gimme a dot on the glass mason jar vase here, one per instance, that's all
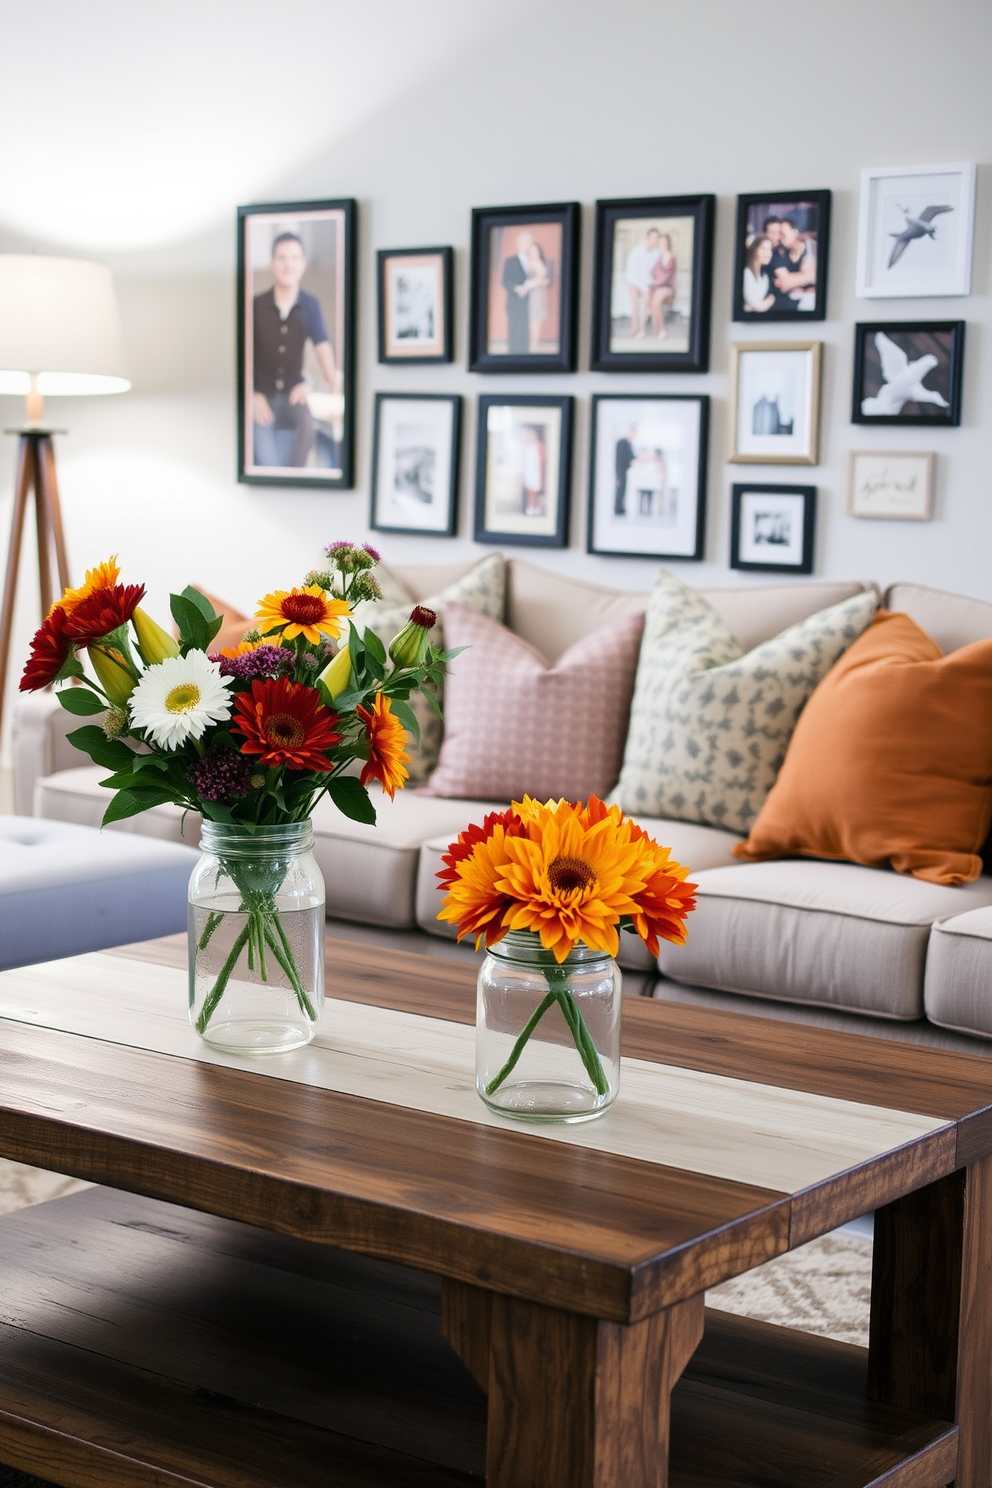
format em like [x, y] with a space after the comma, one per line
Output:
[256, 938]
[547, 1035]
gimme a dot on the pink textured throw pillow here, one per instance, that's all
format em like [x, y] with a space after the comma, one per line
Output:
[514, 726]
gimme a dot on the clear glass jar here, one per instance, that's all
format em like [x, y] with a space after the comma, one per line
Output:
[256, 938]
[547, 1036]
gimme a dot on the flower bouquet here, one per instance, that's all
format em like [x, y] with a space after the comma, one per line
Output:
[547, 888]
[251, 737]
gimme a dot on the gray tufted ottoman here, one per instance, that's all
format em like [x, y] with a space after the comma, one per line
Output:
[65, 889]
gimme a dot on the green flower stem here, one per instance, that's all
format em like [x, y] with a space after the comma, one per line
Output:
[289, 967]
[213, 920]
[557, 979]
[256, 934]
[217, 991]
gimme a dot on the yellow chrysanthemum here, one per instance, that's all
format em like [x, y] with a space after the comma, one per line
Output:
[571, 880]
[473, 902]
[243, 647]
[309, 612]
[104, 576]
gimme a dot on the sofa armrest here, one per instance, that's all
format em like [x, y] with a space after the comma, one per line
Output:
[40, 746]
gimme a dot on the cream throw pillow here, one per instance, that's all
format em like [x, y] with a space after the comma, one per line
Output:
[709, 725]
[483, 589]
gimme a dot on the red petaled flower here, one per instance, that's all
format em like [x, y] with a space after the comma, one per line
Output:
[103, 611]
[49, 652]
[285, 723]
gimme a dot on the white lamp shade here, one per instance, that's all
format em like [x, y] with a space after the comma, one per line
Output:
[59, 321]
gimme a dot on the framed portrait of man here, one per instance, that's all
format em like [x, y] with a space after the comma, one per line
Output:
[296, 340]
[524, 288]
[652, 284]
[780, 262]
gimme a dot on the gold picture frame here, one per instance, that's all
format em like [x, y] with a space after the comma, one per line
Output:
[775, 402]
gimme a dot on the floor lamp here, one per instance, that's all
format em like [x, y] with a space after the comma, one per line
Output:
[60, 335]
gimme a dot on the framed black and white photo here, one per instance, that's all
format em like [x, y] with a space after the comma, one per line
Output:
[897, 486]
[414, 302]
[415, 442]
[772, 528]
[523, 470]
[915, 231]
[647, 475]
[296, 340]
[523, 295]
[652, 284]
[780, 262]
[908, 372]
[775, 402]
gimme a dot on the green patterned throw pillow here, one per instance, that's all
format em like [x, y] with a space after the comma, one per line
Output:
[483, 589]
[709, 725]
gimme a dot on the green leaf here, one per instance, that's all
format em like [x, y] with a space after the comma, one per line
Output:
[71, 667]
[431, 696]
[407, 717]
[110, 753]
[202, 603]
[351, 798]
[130, 803]
[374, 646]
[81, 701]
[194, 627]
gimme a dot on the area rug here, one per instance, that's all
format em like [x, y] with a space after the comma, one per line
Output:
[823, 1288]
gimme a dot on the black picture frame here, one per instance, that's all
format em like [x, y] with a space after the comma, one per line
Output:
[515, 532]
[449, 496]
[605, 472]
[695, 354]
[490, 298]
[800, 206]
[391, 349]
[914, 340]
[740, 533]
[333, 435]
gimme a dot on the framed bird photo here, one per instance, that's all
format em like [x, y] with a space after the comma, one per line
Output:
[908, 372]
[915, 231]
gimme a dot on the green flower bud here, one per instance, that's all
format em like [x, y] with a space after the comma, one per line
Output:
[337, 674]
[409, 648]
[154, 643]
[113, 673]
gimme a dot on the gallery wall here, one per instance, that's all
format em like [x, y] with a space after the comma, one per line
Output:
[554, 100]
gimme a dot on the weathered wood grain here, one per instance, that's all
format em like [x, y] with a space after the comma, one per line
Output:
[974, 1381]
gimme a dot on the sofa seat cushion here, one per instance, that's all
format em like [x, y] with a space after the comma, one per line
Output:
[370, 872]
[77, 796]
[830, 934]
[696, 847]
[958, 989]
[65, 889]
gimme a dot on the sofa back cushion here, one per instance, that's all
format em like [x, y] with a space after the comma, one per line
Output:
[952, 620]
[710, 724]
[515, 726]
[891, 762]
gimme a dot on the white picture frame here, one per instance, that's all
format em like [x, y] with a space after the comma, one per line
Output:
[894, 485]
[927, 212]
[775, 402]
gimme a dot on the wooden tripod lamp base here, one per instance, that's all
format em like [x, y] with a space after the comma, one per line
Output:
[35, 475]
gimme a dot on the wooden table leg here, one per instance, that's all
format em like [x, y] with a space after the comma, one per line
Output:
[573, 1402]
[974, 1402]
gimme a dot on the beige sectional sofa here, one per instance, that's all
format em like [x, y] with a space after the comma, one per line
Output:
[832, 935]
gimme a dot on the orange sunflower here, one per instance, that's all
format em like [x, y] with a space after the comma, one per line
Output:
[388, 758]
[104, 576]
[310, 612]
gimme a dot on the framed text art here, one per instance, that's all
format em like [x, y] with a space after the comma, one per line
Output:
[523, 296]
[647, 475]
[296, 343]
[523, 469]
[652, 283]
[898, 486]
[415, 442]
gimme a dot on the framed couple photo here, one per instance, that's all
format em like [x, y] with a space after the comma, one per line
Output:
[781, 255]
[647, 483]
[524, 288]
[652, 283]
[523, 469]
[415, 443]
[296, 343]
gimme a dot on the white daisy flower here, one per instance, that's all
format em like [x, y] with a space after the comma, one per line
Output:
[178, 698]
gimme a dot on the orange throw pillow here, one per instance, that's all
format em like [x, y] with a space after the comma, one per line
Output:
[891, 760]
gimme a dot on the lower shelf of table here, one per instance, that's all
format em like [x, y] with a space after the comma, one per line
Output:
[145, 1344]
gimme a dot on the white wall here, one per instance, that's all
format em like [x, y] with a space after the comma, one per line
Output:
[497, 104]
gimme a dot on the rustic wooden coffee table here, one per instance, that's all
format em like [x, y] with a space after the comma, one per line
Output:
[348, 1207]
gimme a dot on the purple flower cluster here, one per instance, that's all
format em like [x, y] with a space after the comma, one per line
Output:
[221, 775]
[264, 661]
